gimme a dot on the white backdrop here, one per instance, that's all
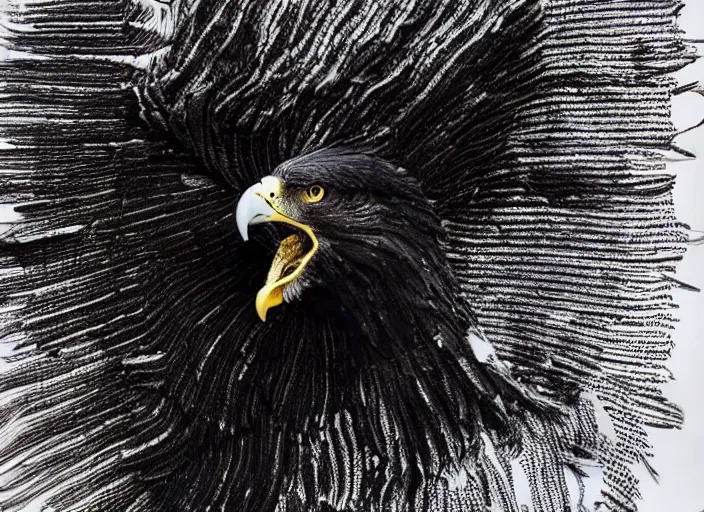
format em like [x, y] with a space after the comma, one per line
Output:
[679, 454]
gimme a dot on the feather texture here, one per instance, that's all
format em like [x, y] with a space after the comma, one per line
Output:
[534, 129]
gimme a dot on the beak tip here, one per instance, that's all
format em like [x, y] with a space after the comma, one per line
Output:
[250, 206]
[261, 312]
[268, 297]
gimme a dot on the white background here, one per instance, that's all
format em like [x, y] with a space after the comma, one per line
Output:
[679, 454]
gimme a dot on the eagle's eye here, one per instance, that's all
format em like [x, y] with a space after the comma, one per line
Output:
[313, 194]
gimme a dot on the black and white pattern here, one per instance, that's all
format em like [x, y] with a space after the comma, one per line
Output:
[136, 374]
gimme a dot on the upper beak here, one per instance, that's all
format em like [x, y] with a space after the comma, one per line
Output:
[262, 203]
[253, 208]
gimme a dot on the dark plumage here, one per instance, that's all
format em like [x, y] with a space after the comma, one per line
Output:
[369, 344]
[486, 310]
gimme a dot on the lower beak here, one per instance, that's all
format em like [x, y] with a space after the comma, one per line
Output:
[258, 204]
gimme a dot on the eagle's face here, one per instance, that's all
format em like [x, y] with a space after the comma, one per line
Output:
[358, 223]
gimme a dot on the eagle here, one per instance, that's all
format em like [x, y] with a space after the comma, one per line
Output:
[396, 255]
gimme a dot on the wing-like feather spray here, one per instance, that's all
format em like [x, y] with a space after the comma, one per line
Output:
[137, 375]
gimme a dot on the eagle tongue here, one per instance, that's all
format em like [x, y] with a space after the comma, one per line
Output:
[287, 258]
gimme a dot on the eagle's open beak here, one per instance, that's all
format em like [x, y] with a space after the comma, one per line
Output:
[262, 202]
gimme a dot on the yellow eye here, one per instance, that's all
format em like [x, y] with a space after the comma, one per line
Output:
[313, 194]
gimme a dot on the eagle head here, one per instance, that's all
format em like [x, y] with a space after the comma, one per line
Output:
[362, 234]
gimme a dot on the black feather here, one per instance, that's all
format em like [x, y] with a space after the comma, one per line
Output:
[139, 377]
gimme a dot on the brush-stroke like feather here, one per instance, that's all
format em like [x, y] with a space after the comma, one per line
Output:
[127, 133]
